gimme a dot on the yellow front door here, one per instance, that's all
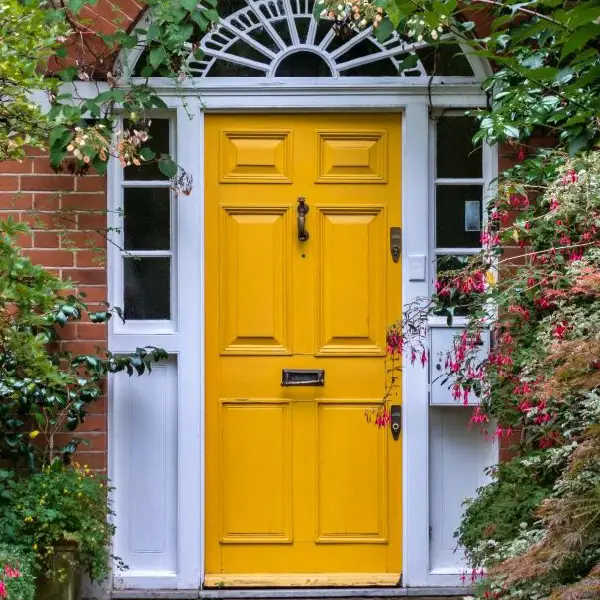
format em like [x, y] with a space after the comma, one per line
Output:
[300, 488]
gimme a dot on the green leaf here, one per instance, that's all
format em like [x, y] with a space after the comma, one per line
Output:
[167, 166]
[147, 153]
[408, 63]
[577, 41]
[580, 142]
[76, 5]
[157, 56]
[384, 30]
[189, 4]
[211, 14]
[153, 32]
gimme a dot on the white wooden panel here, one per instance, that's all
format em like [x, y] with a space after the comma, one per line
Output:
[442, 340]
[459, 455]
[145, 470]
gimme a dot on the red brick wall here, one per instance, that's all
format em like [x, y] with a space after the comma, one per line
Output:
[63, 212]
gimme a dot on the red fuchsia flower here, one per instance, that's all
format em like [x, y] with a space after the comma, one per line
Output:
[3, 590]
[503, 432]
[521, 154]
[554, 204]
[383, 418]
[500, 359]
[490, 239]
[569, 177]
[395, 342]
[518, 201]
[11, 572]
[423, 358]
[527, 225]
[442, 288]
[564, 240]
[525, 406]
[522, 389]
[575, 255]
[559, 330]
[478, 416]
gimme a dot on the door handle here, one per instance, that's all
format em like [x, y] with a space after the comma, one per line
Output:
[396, 420]
[302, 210]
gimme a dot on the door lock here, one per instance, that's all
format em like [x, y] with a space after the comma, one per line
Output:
[395, 243]
[396, 420]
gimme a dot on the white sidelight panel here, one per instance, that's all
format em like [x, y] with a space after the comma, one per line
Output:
[459, 455]
[145, 474]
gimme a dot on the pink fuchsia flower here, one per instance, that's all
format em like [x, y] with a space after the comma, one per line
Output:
[11, 572]
[569, 177]
[3, 590]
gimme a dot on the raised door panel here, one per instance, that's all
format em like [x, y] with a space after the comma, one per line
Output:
[351, 283]
[351, 157]
[352, 474]
[255, 280]
[256, 472]
[255, 156]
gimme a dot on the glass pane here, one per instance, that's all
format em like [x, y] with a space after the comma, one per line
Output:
[456, 155]
[448, 267]
[147, 288]
[303, 64]
[446, 60]
[245, 50]
[458, 216]
[159, 143]
[380, 67]
[147, 219]
[224, 68]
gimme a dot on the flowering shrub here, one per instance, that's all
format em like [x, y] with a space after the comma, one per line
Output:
[536, 527]
[17, 581]
[60, 507]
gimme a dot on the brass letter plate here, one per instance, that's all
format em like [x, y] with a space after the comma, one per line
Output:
[307, 377]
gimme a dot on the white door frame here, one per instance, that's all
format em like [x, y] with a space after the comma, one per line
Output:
[411, 98]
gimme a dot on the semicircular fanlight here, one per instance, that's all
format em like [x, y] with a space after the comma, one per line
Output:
[280, 38]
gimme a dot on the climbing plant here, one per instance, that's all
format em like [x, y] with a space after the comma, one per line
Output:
[52, 46]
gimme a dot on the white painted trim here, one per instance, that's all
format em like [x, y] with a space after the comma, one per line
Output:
[189, 347]
[415, 385]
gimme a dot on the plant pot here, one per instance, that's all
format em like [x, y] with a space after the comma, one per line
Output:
[67, 586]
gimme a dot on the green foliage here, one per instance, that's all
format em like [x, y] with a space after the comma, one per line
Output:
[502, 508]
[29, 36]
[17, 579]
[82, 131]
[546, 57]
[57, 507]
[44, 391]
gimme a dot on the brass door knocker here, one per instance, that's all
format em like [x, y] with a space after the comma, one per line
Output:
[302, 210]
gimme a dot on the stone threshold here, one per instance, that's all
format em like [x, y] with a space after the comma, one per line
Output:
[435, 593]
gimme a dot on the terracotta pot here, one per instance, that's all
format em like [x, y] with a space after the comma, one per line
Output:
[66, 560]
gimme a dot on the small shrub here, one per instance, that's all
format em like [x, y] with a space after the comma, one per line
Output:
[61, 506]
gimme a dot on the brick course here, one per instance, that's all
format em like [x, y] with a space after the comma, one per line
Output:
[60, 210]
